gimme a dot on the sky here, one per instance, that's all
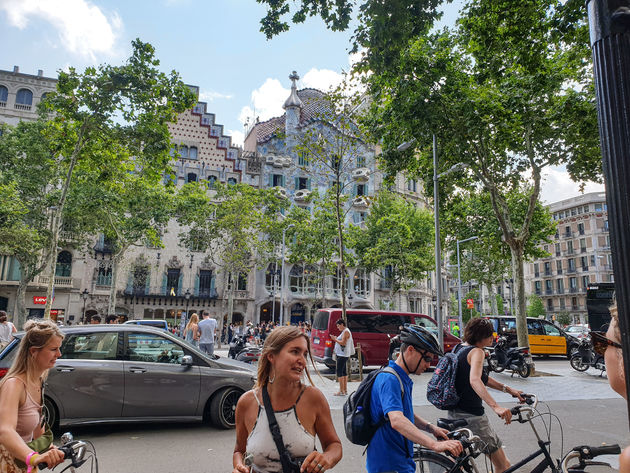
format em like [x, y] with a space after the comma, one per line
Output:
[213, 44]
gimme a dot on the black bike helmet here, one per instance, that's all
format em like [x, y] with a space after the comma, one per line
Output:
[421, 339]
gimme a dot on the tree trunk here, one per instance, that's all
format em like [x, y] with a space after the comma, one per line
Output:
[52, 263]
[494, 310]
[517, 251]
[111, 305]
[20, 304]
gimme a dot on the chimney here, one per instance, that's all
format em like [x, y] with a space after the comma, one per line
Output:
[16, 69]
[40, 73]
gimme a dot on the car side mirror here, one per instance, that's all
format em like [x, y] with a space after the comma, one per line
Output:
[187, 360]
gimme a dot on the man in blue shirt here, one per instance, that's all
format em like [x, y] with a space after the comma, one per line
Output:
[391, 448]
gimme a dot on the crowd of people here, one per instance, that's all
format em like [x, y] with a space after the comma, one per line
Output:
[280, 419]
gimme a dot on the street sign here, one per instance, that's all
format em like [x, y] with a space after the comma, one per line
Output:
[470, 304]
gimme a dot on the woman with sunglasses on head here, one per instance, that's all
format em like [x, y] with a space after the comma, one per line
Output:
[472, 382]
[609, 346]
[301, 412]
[21, 400]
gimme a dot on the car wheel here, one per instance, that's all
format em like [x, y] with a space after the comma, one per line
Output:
[354, 364]
[51, 414]
[223, 408]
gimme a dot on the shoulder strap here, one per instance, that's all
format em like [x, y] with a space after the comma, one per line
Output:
[391, 370]
[275, 430]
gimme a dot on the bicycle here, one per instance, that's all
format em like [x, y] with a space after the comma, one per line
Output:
[432, 462]
[78, 452]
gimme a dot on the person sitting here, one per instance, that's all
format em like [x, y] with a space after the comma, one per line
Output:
[301, 412]
[22, 400]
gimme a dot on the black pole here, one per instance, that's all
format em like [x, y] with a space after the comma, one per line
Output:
[609, 22]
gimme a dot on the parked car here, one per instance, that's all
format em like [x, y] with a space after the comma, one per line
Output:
[130, 373]
[373, 329]
[545, 338]
[149, 323]
[577, 331]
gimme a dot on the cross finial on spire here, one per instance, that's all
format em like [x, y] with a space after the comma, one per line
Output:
[294, 77]
[293, 100]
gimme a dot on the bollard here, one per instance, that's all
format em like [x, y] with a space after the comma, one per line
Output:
[360, 358]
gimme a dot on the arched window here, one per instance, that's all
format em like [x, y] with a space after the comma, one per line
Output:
[212, 181]
[296, 279]
[183, 151]
[191, 177]
[43, 96]
[272, 270]
[192, 152]
[64, 264]
[4, 94]
[311, 279]
[361, 284]
[24, 97]
[231, 181]
[336, 281]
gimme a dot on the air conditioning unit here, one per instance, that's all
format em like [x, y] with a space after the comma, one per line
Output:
[361, 174]
[302, 195]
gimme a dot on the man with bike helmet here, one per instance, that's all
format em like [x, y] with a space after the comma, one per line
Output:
[391, 447]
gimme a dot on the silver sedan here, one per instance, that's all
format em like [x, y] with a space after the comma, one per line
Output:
[130, 373]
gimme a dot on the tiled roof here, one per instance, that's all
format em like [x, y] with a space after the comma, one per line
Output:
[314, 108]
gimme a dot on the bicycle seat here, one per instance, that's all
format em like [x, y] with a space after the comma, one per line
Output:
[451, 424]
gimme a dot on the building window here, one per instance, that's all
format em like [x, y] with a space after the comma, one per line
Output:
[192, 152]
[585, 281]
[172, 281]
[4, 94]
[361, 189]
[538, 287]
[550, 305]
[559, 266]
[191, 177]
[548, 286]
[560, 286]
[571, 265]
[336, 281]
[104, 275]
[242, 282]
[412, 185]
[303, 160]
[64, 264]
[183, 151]
[557, 248]
[231, 181]
[536, 270]
[570, 247]
[301, 183]
[573, 284]
[581, 228]
[206, 283]
[277, 180]
[598, 207]
[547, 268]
[361, 283]
[272, 273]
[140, 278]
[605, 225]
[360, 161]
[582, 245]
[24, 97]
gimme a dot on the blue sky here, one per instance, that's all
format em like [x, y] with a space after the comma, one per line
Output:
[215, 44]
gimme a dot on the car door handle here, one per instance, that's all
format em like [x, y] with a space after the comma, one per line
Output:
[137, 370]
[65, 369]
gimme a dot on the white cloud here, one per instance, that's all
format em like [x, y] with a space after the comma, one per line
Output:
[83, 27]
[238, 137]
[557, 186]
[267, 102]
[322, 79]
[210, 95]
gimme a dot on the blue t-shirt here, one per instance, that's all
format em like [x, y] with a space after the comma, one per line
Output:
[388, 450]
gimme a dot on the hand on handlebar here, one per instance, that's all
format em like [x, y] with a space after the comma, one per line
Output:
[52, 457]
[438, 432]
[517, 394]
[503, 413]
[240, 468]
[454, 447]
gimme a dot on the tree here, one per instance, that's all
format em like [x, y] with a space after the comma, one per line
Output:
[111, 117]
[396, 235]
[238, 227]
[535, 308]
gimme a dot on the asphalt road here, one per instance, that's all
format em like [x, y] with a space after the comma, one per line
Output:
[173, 448]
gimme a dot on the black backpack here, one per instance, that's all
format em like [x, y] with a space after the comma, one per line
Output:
[356, 411]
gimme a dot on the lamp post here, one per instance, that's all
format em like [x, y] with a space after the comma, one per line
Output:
[84, 296]
[436, 211]
[274, 274]
[282, 274]
[459, 283]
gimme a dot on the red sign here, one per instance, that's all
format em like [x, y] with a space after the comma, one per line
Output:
[40, 300]
[470, 304]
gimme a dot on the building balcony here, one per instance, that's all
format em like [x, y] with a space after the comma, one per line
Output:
[567, 235]
[282, 192]
[584, 268]
[19, 106]
[538, 292]
[571, 270]
[573, 290]
[361, 174]
[302, 195]
[559, 271]
[548, 291]
[537, 274]
[360, 202]
[548, 272]
[60, 281]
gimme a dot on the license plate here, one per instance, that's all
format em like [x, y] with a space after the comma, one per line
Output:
[316, 340]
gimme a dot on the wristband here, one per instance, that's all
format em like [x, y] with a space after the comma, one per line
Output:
[505, 388]
[29, 457]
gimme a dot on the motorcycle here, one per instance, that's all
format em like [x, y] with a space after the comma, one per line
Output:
[240, 350]
[502, 357]
[585, 357]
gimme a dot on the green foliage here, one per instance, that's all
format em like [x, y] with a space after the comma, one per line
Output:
[564, 318]
[535, 308]
[397, 235]
[500, 305]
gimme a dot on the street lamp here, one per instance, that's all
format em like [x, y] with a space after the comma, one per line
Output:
[84, 296]
[274, 275]
[282, 274]
[459, 283]
[436, 211]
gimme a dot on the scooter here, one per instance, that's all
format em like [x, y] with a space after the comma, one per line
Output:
[240, 350]
[584, 357]
[502, 357]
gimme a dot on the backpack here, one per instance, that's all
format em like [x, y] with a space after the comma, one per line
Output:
[356, 411]
[441, 391]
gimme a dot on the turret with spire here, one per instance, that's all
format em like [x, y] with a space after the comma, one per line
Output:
[292, 105]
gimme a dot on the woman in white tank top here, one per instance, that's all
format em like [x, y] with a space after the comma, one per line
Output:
[302, 412]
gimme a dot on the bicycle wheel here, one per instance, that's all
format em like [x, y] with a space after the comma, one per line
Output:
[432, 462]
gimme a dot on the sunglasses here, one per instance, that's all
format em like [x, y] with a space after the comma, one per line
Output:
[426, 356]
[601, 342]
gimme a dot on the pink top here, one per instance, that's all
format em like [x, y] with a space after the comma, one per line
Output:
[29, 417]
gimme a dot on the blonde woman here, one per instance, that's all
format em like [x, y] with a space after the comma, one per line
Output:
[301, 411]
[191, 332]
[21, 398]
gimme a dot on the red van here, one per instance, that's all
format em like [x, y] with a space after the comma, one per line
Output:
[373, 329]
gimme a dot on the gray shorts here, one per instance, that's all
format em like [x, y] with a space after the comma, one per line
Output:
[479, 425]
[207, 348]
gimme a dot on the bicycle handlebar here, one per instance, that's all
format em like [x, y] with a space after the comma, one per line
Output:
[585, 453]
[73, 450]
[531, 401]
